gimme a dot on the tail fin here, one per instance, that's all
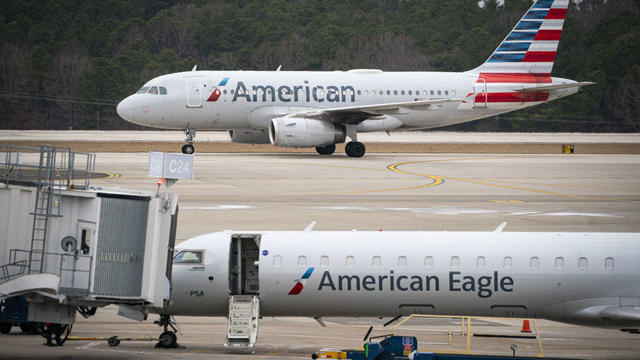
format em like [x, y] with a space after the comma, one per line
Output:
[531, 46]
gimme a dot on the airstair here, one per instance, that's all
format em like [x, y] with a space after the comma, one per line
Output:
[242, 326]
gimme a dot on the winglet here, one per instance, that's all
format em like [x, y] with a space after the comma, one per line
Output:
[310, 226]
[500, 227]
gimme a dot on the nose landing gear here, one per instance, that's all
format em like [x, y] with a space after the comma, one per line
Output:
[188, 147]
[168, 338]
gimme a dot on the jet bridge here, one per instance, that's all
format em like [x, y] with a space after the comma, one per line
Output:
[66, 245]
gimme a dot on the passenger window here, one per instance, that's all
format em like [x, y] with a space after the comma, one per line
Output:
[188, 257]
[277, 261]
[380, 92]
[453, 92]
[324, 261]
[358, 92]
[153, 90]
[224, 91]
[455, 262]
[232, 92]
[395, 92]
[402, 262]
[559, 263]
[388, 92]
[424, 92]
[432, 92]
[481, 262]
[583, 263]
[428, 262]
[609, 264]
[410, 92]
[507, 262]
[376, 262]
[534, 263]
[402, 92]
[163, 90]
[302, 261]
[350, 262]
[439, 92]
[446, 92]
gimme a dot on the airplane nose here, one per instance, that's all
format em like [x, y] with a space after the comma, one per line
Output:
[125, 109]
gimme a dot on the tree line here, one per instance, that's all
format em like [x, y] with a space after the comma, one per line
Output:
[66, 63]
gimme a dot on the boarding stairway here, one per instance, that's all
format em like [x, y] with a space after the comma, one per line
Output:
[242, 326]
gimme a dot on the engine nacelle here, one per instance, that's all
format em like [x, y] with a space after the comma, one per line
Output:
[300, 132]
[249, 136]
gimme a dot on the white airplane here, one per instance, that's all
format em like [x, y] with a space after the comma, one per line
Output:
[321, 109]
[579, 278]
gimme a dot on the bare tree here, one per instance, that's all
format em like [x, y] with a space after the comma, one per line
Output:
[13, 67]
[626, 97]
[387, 52]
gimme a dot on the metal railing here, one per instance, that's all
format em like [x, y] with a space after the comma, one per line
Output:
[68, 266]
[466, 332]
[69, 169]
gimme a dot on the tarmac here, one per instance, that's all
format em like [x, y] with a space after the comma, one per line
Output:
[381, 191]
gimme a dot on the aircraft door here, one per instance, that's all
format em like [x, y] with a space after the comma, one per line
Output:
[480, 94]
[194, 92]
[244, 255]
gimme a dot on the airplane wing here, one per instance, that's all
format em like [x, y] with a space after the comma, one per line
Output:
[356, 114]
[557, 87]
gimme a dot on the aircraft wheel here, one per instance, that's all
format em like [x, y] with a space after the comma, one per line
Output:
[326, 150]
[355, 149]
[5, 328]
[188, 149]
[168, 339]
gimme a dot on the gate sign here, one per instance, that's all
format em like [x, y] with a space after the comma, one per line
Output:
[170, 166]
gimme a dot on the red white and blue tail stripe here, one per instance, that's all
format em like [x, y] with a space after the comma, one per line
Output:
[530, 48]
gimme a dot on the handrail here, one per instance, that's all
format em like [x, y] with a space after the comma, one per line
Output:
[466, 329]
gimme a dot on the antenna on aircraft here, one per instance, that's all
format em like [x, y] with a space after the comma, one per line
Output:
[279, 67]
[195, 67]
[500, 227]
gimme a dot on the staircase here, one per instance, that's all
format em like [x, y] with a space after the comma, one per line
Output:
[242, 327]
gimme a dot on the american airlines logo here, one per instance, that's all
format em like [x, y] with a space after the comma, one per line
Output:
[483, 286]
[296, 93]
[297, 288]
[215, 95]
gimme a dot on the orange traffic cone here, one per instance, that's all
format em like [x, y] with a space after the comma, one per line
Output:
[525, 326]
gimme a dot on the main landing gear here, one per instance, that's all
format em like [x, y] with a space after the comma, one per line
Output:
[326, 150]
[188, 147]
[168, 338]
[355, 149]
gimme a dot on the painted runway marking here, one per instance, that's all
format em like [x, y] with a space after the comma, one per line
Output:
[508, 201]
[394, 167]
[218, 207]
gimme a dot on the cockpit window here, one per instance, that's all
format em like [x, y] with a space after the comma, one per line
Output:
[143, 90]
[188, 257]
[153, 90]
[163, 90]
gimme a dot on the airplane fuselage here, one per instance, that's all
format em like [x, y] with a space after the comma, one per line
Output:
[225, 100]
[579, 278]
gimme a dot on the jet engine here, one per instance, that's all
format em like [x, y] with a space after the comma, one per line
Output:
[249, 136]
[300, 132]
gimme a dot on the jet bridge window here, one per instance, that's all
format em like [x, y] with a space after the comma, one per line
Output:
[143, 90]
[188, 257]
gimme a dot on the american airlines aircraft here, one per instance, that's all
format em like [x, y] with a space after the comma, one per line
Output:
[321, 109]
[579, 278]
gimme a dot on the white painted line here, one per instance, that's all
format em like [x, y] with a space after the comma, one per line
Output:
[88, 346]
[217, 207]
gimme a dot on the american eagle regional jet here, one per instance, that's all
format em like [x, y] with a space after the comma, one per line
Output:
[321, 109]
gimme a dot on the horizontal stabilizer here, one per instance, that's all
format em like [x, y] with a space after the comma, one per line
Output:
[558, 87]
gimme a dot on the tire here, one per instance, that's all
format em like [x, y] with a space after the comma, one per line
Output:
[355, 149]
[188, 149]
[26, 328]
[326, 150]
[113, 341]
[5, 328]
[168, 339]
